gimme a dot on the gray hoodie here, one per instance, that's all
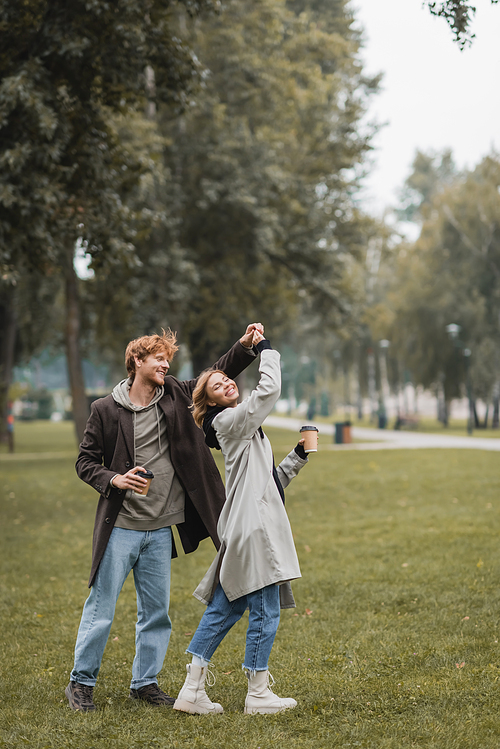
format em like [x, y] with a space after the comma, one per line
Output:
[164, 503]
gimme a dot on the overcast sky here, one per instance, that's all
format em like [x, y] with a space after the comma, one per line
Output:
[433, 95]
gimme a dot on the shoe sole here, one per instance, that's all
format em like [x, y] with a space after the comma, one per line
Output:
[72, 705]
[149, 702]
[266, 710]
[189, 707]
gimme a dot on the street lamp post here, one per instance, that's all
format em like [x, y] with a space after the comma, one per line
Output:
[453, 330]
[470, 421]
[371, 383]
[384, 382]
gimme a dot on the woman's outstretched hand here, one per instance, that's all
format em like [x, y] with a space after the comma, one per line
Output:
[257, 337]
[247, 339]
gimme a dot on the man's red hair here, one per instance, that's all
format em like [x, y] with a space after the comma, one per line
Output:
[150, 344]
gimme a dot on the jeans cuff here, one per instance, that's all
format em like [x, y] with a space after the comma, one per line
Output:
[139, 683]
[82, 680]
[252, 671]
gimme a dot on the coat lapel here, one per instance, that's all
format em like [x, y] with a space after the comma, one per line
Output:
[126, 427]
[167, 406]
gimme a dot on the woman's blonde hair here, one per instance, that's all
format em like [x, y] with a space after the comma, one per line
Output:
[200, 397]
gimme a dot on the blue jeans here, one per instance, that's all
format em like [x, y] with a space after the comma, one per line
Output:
[148, 554]
[222, 614]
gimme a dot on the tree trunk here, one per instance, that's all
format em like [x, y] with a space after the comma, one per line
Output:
[442, 411]
[371, 383]
[8, 329]
[495, 418]
[446, 413]
[73, 354]
[347, 393]
[359, 393]
[474, 414]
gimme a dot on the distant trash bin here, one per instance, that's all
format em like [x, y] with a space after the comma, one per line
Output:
[346, 433]
[342, 432]
[339, 426]
[382, 421]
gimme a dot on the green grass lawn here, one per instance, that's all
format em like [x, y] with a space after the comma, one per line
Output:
[394, 642]
[43, 436]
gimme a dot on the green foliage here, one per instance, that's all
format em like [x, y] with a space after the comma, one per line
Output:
[395, 639]
[451, 274]
[36, 303]
[64, 173]
[458, 14]
[65, 71]
[430, 174]
[56, 139]
[259, 218]
[242, 200]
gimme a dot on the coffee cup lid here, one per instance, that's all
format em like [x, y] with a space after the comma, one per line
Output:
[146, 474]
[308, 428]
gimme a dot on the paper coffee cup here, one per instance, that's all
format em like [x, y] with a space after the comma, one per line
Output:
[310, 435]
[146, 474]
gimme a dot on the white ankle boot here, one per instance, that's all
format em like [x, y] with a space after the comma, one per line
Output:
[192, 698]
[260, 699]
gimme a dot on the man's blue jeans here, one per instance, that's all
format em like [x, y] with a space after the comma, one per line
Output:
[222, 614]
[148, 554]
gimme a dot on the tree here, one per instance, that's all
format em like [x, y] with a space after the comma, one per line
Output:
[266, 163]
[458, 14]
[64, 68]
[451, 274]
[431, 172]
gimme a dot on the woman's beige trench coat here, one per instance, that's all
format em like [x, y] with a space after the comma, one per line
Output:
[257, 547]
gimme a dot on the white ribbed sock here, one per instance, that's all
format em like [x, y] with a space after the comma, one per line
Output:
[201, 662]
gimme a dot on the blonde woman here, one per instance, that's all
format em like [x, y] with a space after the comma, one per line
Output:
[257, 557]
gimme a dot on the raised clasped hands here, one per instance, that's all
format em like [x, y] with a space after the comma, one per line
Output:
[247, 339]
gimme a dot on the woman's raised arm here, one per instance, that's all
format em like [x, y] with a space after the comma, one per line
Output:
[242, 421]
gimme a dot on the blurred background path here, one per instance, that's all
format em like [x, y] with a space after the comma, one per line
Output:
[387, 439]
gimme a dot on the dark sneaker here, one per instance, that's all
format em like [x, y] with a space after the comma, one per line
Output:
[152, 693]
[80, 697]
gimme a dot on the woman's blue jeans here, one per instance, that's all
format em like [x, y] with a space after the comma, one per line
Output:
[148, 554]
[222, 614]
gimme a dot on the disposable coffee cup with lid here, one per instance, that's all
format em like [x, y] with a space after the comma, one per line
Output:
[310, 435]
[145, 474]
